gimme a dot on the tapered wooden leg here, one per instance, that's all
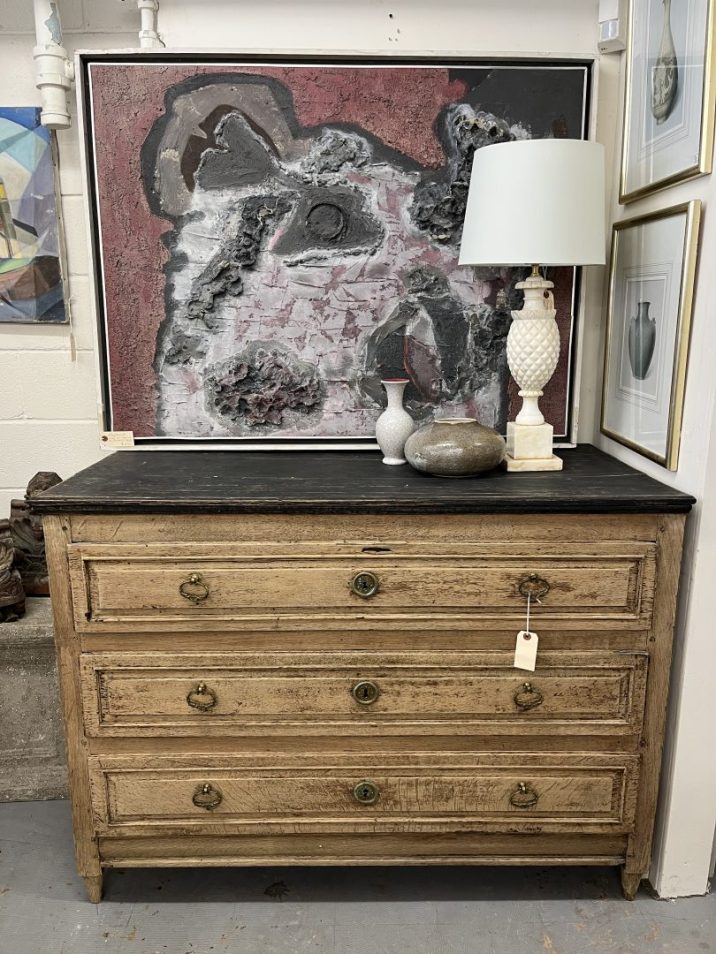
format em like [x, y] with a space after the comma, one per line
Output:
[93, 884]
[630, 884]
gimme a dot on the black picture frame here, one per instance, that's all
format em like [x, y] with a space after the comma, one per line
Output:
[110, 422]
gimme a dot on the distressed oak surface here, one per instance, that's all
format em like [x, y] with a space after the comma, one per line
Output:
[416, 792]
[454, 573]
[462, 847]
[266, 534]
[278, 641]
[131, 694]
[115, 584]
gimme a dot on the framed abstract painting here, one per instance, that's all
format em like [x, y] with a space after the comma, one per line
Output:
[651, 283]
[272, 236]
[31, 288]
[669, 100]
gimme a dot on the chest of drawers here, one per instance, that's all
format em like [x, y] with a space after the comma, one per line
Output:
[308, 659]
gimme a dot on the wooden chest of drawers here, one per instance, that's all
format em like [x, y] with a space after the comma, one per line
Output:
[308, 659]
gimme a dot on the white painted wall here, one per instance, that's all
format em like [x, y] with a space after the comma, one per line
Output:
[687, 813]
[48, 403]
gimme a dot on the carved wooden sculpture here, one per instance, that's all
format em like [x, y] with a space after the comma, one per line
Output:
[27, 536]
[12, 595]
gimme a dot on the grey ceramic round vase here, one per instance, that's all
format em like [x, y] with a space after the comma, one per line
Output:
[641, 341]
[455, 447]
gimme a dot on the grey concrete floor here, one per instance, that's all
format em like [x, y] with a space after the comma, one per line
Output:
[323, 910]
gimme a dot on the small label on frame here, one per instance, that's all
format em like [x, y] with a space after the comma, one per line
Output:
[526, 650]
[117, 438]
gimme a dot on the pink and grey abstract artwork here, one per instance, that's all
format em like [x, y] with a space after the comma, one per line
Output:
[275, 238]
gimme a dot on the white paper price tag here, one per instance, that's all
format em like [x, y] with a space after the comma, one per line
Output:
[118, 438]
[526, 650]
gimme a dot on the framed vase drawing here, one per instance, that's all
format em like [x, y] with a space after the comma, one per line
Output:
[273, 235]
[651, 281]
[669, 99]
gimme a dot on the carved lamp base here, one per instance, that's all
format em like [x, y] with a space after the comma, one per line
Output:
[532, 355]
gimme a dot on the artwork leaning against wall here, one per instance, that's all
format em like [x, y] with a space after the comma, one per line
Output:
[273, 238]
[30, 236]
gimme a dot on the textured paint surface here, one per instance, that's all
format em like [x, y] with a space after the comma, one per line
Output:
[288, 218]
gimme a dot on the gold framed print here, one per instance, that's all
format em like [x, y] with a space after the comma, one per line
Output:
[669, 97]
[651, 282]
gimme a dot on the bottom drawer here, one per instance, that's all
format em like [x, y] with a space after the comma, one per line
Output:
[417, 792]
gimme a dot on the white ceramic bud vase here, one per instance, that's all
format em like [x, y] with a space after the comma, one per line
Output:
[395, 425]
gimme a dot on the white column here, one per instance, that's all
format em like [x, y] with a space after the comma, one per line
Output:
[687, 819]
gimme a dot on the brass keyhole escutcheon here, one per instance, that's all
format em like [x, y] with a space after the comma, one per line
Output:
[365, 584]
[528, 697]
[194, 589]
[365, 693]
[206, 796]
[366, 792]
[524, 796]
[202, 698]
[533, 585]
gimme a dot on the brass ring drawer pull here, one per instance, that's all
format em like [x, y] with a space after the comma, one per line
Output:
[194, 589]
[524, 796]
[366, 792]
[528, 697]
[365, 693]
[533, 585]
[202, 698]
[206, 796]
[365, 584]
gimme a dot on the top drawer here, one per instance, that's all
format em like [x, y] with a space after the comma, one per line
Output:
[257, 586]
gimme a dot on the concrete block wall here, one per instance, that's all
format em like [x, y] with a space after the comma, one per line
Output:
[48, 402]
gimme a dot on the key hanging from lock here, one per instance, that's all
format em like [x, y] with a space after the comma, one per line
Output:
[526, 645]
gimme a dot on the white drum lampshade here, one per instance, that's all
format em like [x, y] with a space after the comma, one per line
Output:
[535, 202]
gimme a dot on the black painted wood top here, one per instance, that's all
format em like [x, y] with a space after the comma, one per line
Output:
[348, 482]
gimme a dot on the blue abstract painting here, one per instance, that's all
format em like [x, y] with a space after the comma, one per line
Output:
[30, 265]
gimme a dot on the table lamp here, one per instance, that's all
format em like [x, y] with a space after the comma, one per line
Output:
[534, 202]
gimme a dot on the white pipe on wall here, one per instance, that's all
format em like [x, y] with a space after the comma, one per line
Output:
[53, 69]
[148, 36]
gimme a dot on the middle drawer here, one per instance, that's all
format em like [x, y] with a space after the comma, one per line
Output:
[154, 694]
